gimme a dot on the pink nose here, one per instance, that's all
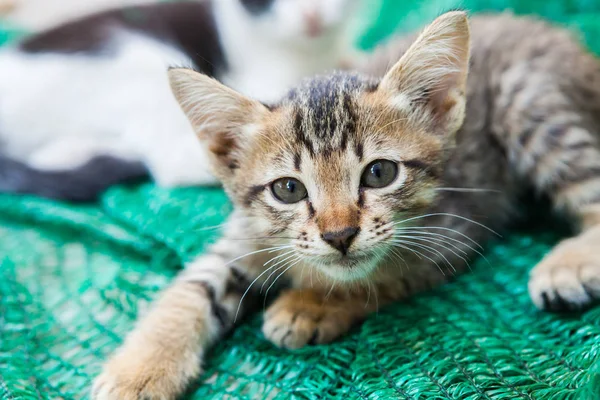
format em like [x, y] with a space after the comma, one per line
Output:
[314, 23]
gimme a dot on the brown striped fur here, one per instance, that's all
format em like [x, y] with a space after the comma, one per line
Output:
[466, 149]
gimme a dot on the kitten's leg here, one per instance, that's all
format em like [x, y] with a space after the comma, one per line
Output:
[320, 314]
[551, 143]
[164, 353]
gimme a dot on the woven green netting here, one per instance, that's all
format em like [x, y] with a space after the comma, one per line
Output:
[72, 280]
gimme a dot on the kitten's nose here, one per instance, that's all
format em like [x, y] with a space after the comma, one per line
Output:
[341, 240]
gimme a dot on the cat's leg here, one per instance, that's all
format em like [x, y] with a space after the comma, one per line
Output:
[553, 145]
[164, 353]
[316, 312]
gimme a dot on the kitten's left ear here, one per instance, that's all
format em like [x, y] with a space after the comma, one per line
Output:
[222, 118]
[430, 78]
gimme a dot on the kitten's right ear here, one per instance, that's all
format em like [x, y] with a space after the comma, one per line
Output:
[221, 117]
[430, 78]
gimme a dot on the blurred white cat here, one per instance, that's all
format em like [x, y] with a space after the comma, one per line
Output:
[87, 104]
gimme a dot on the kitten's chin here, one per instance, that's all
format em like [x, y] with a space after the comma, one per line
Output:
[349, 268]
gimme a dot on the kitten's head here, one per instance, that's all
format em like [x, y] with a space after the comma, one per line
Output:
[334, 165]
[296, 21]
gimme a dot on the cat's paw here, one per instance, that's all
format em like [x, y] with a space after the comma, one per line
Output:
[130, 376]
[301, 317]
[569, 277]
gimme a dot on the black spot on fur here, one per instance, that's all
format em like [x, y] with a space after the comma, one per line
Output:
[297, 161]
[237, 281]
[253, 194]
[422, 98]
[359, 150]
[189, 26]
[311, 210]
[301, 135]
[217, 310]
[361, 198]
[351, 118]
[271, 107]
[372, 87]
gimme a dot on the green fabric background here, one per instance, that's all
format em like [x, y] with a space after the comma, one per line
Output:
[72, 279]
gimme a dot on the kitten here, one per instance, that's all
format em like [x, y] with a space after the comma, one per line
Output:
[97, 86]
[355, 192]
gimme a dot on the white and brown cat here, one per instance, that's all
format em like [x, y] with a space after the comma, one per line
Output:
[88, 103]
[353, 192]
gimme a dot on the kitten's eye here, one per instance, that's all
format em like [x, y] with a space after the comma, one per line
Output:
[379, 173]
[288, 190]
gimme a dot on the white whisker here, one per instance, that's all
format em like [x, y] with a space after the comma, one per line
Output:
[467, 190]
[433, 240]
[281, 274]
[278, 257]
[450, 215]
[269, 249]
[248, 290]
[330, 290]
[444, 229]
[420, 232]
[442, 244]
[280, 262]
[419, 254]
[427, 248]
[398, 255]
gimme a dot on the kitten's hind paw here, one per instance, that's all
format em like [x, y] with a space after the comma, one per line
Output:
[301, 317]
[568, 279]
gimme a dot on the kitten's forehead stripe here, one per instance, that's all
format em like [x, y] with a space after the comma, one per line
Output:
[359, 149]
[325, 117]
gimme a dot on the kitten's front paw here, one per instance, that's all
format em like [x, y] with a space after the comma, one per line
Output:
[569, 277]
[301, 317]
[130, 376]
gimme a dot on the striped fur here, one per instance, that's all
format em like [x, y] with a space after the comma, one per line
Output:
[531, 104]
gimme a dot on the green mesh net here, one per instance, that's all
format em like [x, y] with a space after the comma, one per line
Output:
[73, 278]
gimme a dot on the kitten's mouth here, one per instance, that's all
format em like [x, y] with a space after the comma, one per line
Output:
[351, 261]
[349, 268]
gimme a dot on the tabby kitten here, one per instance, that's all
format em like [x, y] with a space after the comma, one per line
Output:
[358, 191]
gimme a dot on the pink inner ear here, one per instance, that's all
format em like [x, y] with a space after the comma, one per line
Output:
[441, 98]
